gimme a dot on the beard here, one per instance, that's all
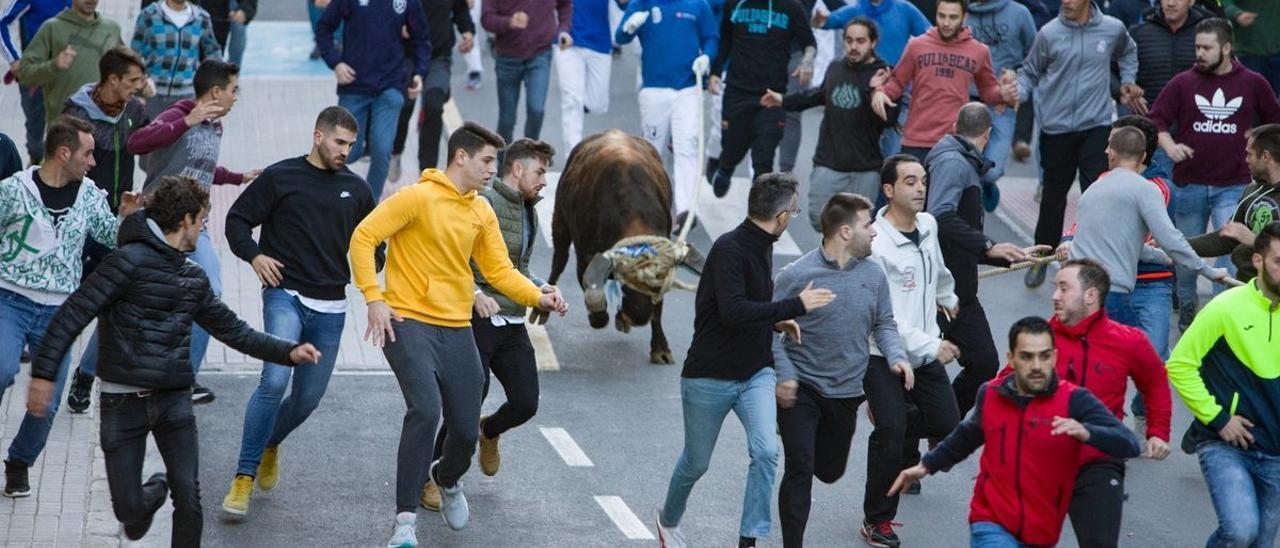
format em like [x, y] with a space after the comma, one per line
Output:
[1272, 285]
[1209, 68]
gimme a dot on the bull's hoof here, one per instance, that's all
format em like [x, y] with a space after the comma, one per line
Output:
[596, 301]
[598, 319]
[622, 322]
[661, 357]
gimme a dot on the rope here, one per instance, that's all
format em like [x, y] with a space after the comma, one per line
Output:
[1049, 259]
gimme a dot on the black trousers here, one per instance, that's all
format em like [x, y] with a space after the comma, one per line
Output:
[435, 93]
[816, 436]
[126, 419]
[1026, 122]
[897, 431]
[507, 352]
[971, 332]
[1097, 503]
[1062, 156]
[745, 125]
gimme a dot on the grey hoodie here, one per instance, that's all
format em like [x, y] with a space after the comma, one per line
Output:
[1069, 69]
[1006, 27]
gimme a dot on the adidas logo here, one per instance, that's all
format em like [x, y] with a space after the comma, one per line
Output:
[1216, 111]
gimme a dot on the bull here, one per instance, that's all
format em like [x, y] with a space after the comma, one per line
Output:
[613, 206]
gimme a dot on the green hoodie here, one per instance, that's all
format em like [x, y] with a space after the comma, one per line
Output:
[1259, 206]
[89, 38]
[1261, 37]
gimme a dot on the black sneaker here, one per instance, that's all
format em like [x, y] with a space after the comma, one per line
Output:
[315, 53]
[15, 480]
[138, 529]
[81, 392]
[713, 165]
[200, 394]
[720, 185]
[880, 534]
[473, 80]
[1035, 275]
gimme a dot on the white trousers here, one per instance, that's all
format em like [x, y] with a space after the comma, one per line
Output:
[672, 114]
[472, 57]
[584, 82]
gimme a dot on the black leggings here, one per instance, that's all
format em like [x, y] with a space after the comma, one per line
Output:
[1097, 503]
[748, 126]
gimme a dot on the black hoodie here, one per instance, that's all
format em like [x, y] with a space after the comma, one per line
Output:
[850, 136]
[955, 168]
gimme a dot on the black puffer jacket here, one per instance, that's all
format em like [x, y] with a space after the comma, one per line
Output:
[146, 296]
[1163, 53]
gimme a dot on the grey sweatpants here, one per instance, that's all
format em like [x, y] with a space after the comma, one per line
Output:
[825, 182]
[438, 368]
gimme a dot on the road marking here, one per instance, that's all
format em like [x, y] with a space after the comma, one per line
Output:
[452, 117]
[564, 445]
[720, 215]
[542, 350]
[623, 518]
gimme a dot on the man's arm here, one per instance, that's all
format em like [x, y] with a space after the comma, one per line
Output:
[961, 442]
[209, 46]
[1212, 244]
[805, 99]
[491, 257]
[1152, 380]
[944, 199]
[421, 37]
[903, 73]
[564, 14]
[784, 287]
[885, 330]
[11, 14]
[918, 23]
[103, 224]
[224, 176]
[325, 27]
[96, 293]
[1127, 56]
[1184, 367]
[1151, 208]
[708, 29]
[622, 37]
[165, 130]
[250, 210]
[736, 310]
[224, 325]
[988, 86]
[1106, 432]
[38, 68]
[492, 20]
[378, 226]
[1033, 67]
[1268, 107]
[462, 17]
[139, 42]
[726, 40]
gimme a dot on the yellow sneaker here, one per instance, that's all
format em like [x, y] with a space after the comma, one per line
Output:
[490, 459]
[237, 499]
[430, 496]
[269, 469]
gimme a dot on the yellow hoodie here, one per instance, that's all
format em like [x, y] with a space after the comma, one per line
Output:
[434, 232]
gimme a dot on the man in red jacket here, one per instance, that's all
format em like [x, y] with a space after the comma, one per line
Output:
[1101, 355]
[1034, 426]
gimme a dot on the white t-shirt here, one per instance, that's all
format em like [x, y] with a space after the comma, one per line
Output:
[179, 18]
[320, 305]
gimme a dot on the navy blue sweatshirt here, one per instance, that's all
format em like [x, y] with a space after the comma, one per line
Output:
[372, 43]
[734, 310]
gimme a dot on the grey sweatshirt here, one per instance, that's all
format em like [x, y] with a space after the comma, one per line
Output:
[835, 339]
[1113, 219]
[1069, 69]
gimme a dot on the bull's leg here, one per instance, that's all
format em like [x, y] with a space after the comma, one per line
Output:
[659, 350]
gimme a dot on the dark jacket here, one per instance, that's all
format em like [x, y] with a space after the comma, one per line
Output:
[442, 17]
[146, 295]
[955, 169]
[10, 161]
[1258, 207]
[113, 171]
[1163, 53]
[512, 211]
[849, 139]
[371, 43]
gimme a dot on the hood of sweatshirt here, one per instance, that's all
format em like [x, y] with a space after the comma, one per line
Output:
[438, 178]
[990, 6]
[1095, 18]
[952, 144]
[69, 15]
[83, 98]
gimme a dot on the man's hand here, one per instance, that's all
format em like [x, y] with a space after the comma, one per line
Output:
[485, 305]
[815, 298]
[415, 88]
[1180, 152]
[1236, 432]
[566, 41]
[322, 4]
[379, 331]
[238, 16]
[1009, 87]
[268, 270]
[1070, 427]
[1157, 449]
[820, 17]
[468, 41]
[701, 65]
[906, 478]
[1239, 232]
[304, 354]
[519, 20]
[39, 394]
[65, 58]
[803, 73]
[148, 88]
[789, 328]
[345, 73]
[771, 99]
[131, 202]
[1132, 96]
[908, 375]
[1218, 275]
[1007, 252]
[880, 103]
[635, 21]
[204, 112]
[250, 175]
[1246, 18]
[880, 78]
[15, 66]
[947, 352]
[786, 392]
[553, 302]
[1064, 249]
[713, 85]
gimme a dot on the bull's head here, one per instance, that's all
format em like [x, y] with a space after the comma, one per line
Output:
[640, 290]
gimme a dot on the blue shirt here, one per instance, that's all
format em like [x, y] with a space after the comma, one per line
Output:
[32, 14]
[676, 33]
[371, 42]
[591, 25]
[899, 20]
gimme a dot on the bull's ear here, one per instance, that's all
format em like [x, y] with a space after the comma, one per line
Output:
[694, 260]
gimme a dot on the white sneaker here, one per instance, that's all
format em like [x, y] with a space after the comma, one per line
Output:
[405, 535]
[453, 503]
[668, 537]
[393, 170]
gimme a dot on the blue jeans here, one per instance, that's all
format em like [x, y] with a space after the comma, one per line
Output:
[32, 99]
[1120, 308]
[22, 323]
[986, 534]
[535, 73]
[1195, 206]
[377, 116]
[1266, 65]
[205, 255]
[1152, 303]
[1001, 142]
[1245, 489]
[237, 40]
[269, 416]
[706, 402]
[891, 138]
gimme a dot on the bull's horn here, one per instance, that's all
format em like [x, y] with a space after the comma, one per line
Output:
[683, 285]
[593, 281]
[695, 260]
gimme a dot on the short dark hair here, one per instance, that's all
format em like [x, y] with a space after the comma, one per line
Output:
[472, 137]
[964, 5]
[770, 195]
[214, 73]
[1148, 129]
[1268, 234]
[1266, 138]
[1219, 28]
[889, 170]
[65, 133]
[1128, 143]
[1030, 325]
[117, 61]
[841, 209]
[173, 198]
[973, 120]
[524, 149]
[873, 30]
[335, 117]
[1091, 275]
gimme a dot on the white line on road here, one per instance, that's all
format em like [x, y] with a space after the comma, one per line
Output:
[563, 443]
[542, 350]
[720, 215]
[623, 518]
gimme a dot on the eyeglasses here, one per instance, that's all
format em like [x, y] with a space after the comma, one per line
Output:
[795, 210]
